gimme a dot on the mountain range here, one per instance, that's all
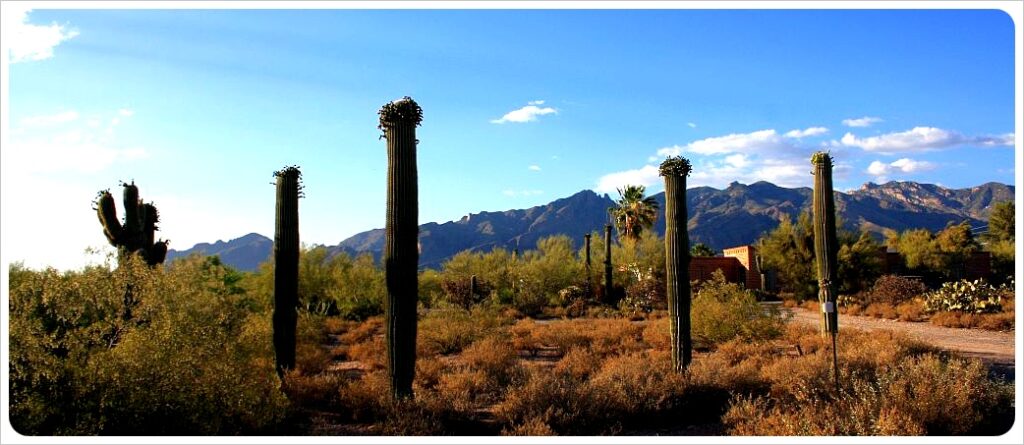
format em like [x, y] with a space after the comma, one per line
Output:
[720, 218]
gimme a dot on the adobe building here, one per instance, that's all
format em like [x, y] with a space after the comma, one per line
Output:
[739, 264]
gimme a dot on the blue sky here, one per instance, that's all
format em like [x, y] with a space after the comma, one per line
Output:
[520, 108]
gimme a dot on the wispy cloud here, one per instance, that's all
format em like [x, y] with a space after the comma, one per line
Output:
[865, 121]
[521, 193]
[50, 119]
[691, 125]
[528, 113]
[905, 165]
[29, 41]
[758, 141]
[921, 139]
[534, 168]
[813, 131]
[55, 143]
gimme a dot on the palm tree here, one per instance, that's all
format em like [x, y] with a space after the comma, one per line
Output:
[633, 212]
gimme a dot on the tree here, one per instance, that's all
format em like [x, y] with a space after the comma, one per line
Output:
[1000, 239]
[789, 252]
[633, 212]
[957, 244]
[701, 249]
[859, 262]
[1002, 222]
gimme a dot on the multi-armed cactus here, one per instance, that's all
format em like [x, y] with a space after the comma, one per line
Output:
[398, 121]
[286, 265]
[826, 248]
[677, 260]
[135, 236]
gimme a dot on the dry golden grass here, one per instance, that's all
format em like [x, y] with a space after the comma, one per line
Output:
[614, 376]
[1001, 321]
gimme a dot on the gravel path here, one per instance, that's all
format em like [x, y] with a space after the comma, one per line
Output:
[993, 348]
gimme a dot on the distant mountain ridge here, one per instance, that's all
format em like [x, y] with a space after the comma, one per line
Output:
[733, 216]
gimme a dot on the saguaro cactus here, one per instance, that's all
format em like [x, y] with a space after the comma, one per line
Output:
[286, 266]
[608, 263]
[677, 260]
[826, 248]
[135, 236]
[586, 263]
[398, 121]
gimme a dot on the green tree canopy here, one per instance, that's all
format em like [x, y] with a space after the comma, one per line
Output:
[701, 249]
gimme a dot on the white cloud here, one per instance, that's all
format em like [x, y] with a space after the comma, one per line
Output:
[535, 168]
[738, 143]
[737, 160]
[674, 150]
[920, 139]
[865, 121]
[813, 131]
[126, 112]
[28, 41]
[905, 165]
[521, 193]
[50, 119]
[691, 125]
[528, 113]
[645, 176]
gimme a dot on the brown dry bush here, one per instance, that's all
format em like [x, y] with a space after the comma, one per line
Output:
[656, 334]
[534, 426]
[371, 353]
[638, 383]
[889, 385]
[556, 400]
[578, 363]
[316, 390]
[910, 311]
[1001, 321]
[881, 310]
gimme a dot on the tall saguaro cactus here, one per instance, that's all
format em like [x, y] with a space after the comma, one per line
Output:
[398, 121]
[677, 260]
[586, 263]
[826, 248]
[135, 236]
[608, 263]
[286, 266]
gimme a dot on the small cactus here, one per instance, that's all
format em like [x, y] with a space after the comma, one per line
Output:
[398, 121]
[677, 260]
[136, 235]
[286, 266]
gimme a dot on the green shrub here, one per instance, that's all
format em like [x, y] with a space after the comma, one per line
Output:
[722, 311]
[964, 296]
[448, 329]
[193, 357]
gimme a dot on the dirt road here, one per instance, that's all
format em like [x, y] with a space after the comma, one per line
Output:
[993, 348]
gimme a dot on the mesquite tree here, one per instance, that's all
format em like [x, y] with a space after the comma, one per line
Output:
[826, 248]
[677, 260]
[398, 121]
[286, 266]
[135, 236]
